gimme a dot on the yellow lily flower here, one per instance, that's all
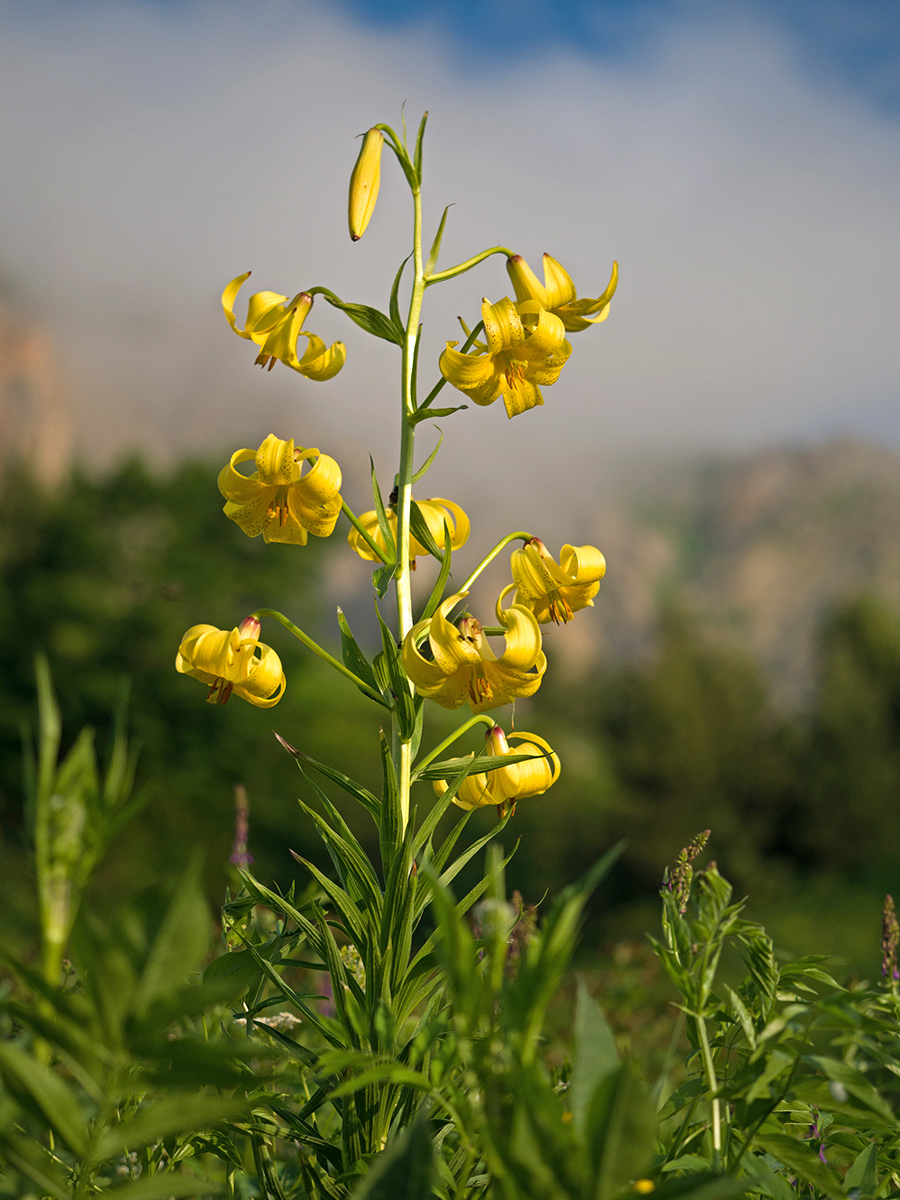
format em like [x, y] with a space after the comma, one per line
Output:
[232, 660]
[555, 592]
[525, 349]
[275, 323]
[437, 513]
[464, 667]
[277, 500]
[557, 292]
[506, 785]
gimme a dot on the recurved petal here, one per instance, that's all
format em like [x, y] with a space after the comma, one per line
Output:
[451, 647]
[540, 773]
[523, 637]
[547, 337]
[438, 511]
[476, 375]
[503, 327]
[322, 482]
[235, 486]
[422, 672]
[319, 519]
[264, 682]
[369, 521]
[520, 394]
[560, 288]
[275, 461]
[277, 339]
[264, 311]
[453, 691]
[228, 298]
[582, 564]
[320, 362]
[507, 685]
[211, 650]
[252, 516]
[535, 574]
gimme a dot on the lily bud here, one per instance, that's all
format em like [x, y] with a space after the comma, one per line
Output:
[364, 183]
[249, 628]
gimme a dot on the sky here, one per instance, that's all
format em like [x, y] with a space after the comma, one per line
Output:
[741, 161]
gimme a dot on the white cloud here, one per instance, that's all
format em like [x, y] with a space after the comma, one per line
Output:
[150, 154]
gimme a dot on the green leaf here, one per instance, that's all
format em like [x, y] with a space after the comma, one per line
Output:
[362, 795]
[160, 1187]
[436, 244]
[705, 1186]
[180, 944]
[381, 579]
[381, 513]
[429, 460]
[856, 1085]
[596, 1055]
[417, 155]
[743, 1015]
[450, 768]
[422, 414]
[185, 1113]
[369, 319]
[404, 1171]
[619, 1130]
[437, 592]
[31, 1081]
[404, 706]
[354, 659]
[395, 293]
[390, 827]
[861, 1174]
[801, 1160]
[420, 531]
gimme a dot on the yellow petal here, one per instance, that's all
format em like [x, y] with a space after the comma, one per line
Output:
[475, 375]
[252, 517]
[320, 363]
[503, 328]
[228, 298]
[264, 682]
[582, 564]
[525, 283]
[560, 288]
[520, 395]
[537, 776]
[523, 637]
[450, 647]
[322, 482]
[238, 487]
[275, 461]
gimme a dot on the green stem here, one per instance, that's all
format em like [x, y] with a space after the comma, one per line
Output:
[713, 1087]
[323, 654]
[461, 268]
[364, 533]
[481, 719]
[441, 383]
[403, 750]
[510, 537]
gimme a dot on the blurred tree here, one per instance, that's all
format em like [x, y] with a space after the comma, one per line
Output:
[851, 807]
[105, 575]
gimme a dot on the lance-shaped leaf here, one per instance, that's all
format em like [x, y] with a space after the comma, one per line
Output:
[420, 531]
[436, 244]
[398, 683]
[362, 795]
[422, 413]
[395, 294]
[369, 319]
[354, 659]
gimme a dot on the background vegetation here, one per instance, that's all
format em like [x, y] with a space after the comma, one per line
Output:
[105, 575]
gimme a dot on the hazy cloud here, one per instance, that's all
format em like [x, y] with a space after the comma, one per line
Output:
[152, 154]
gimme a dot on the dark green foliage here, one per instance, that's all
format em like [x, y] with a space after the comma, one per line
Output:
[850, 817]
[105, 577]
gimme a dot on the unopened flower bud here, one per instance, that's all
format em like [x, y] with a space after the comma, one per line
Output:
[249, 629]
[364, 183]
